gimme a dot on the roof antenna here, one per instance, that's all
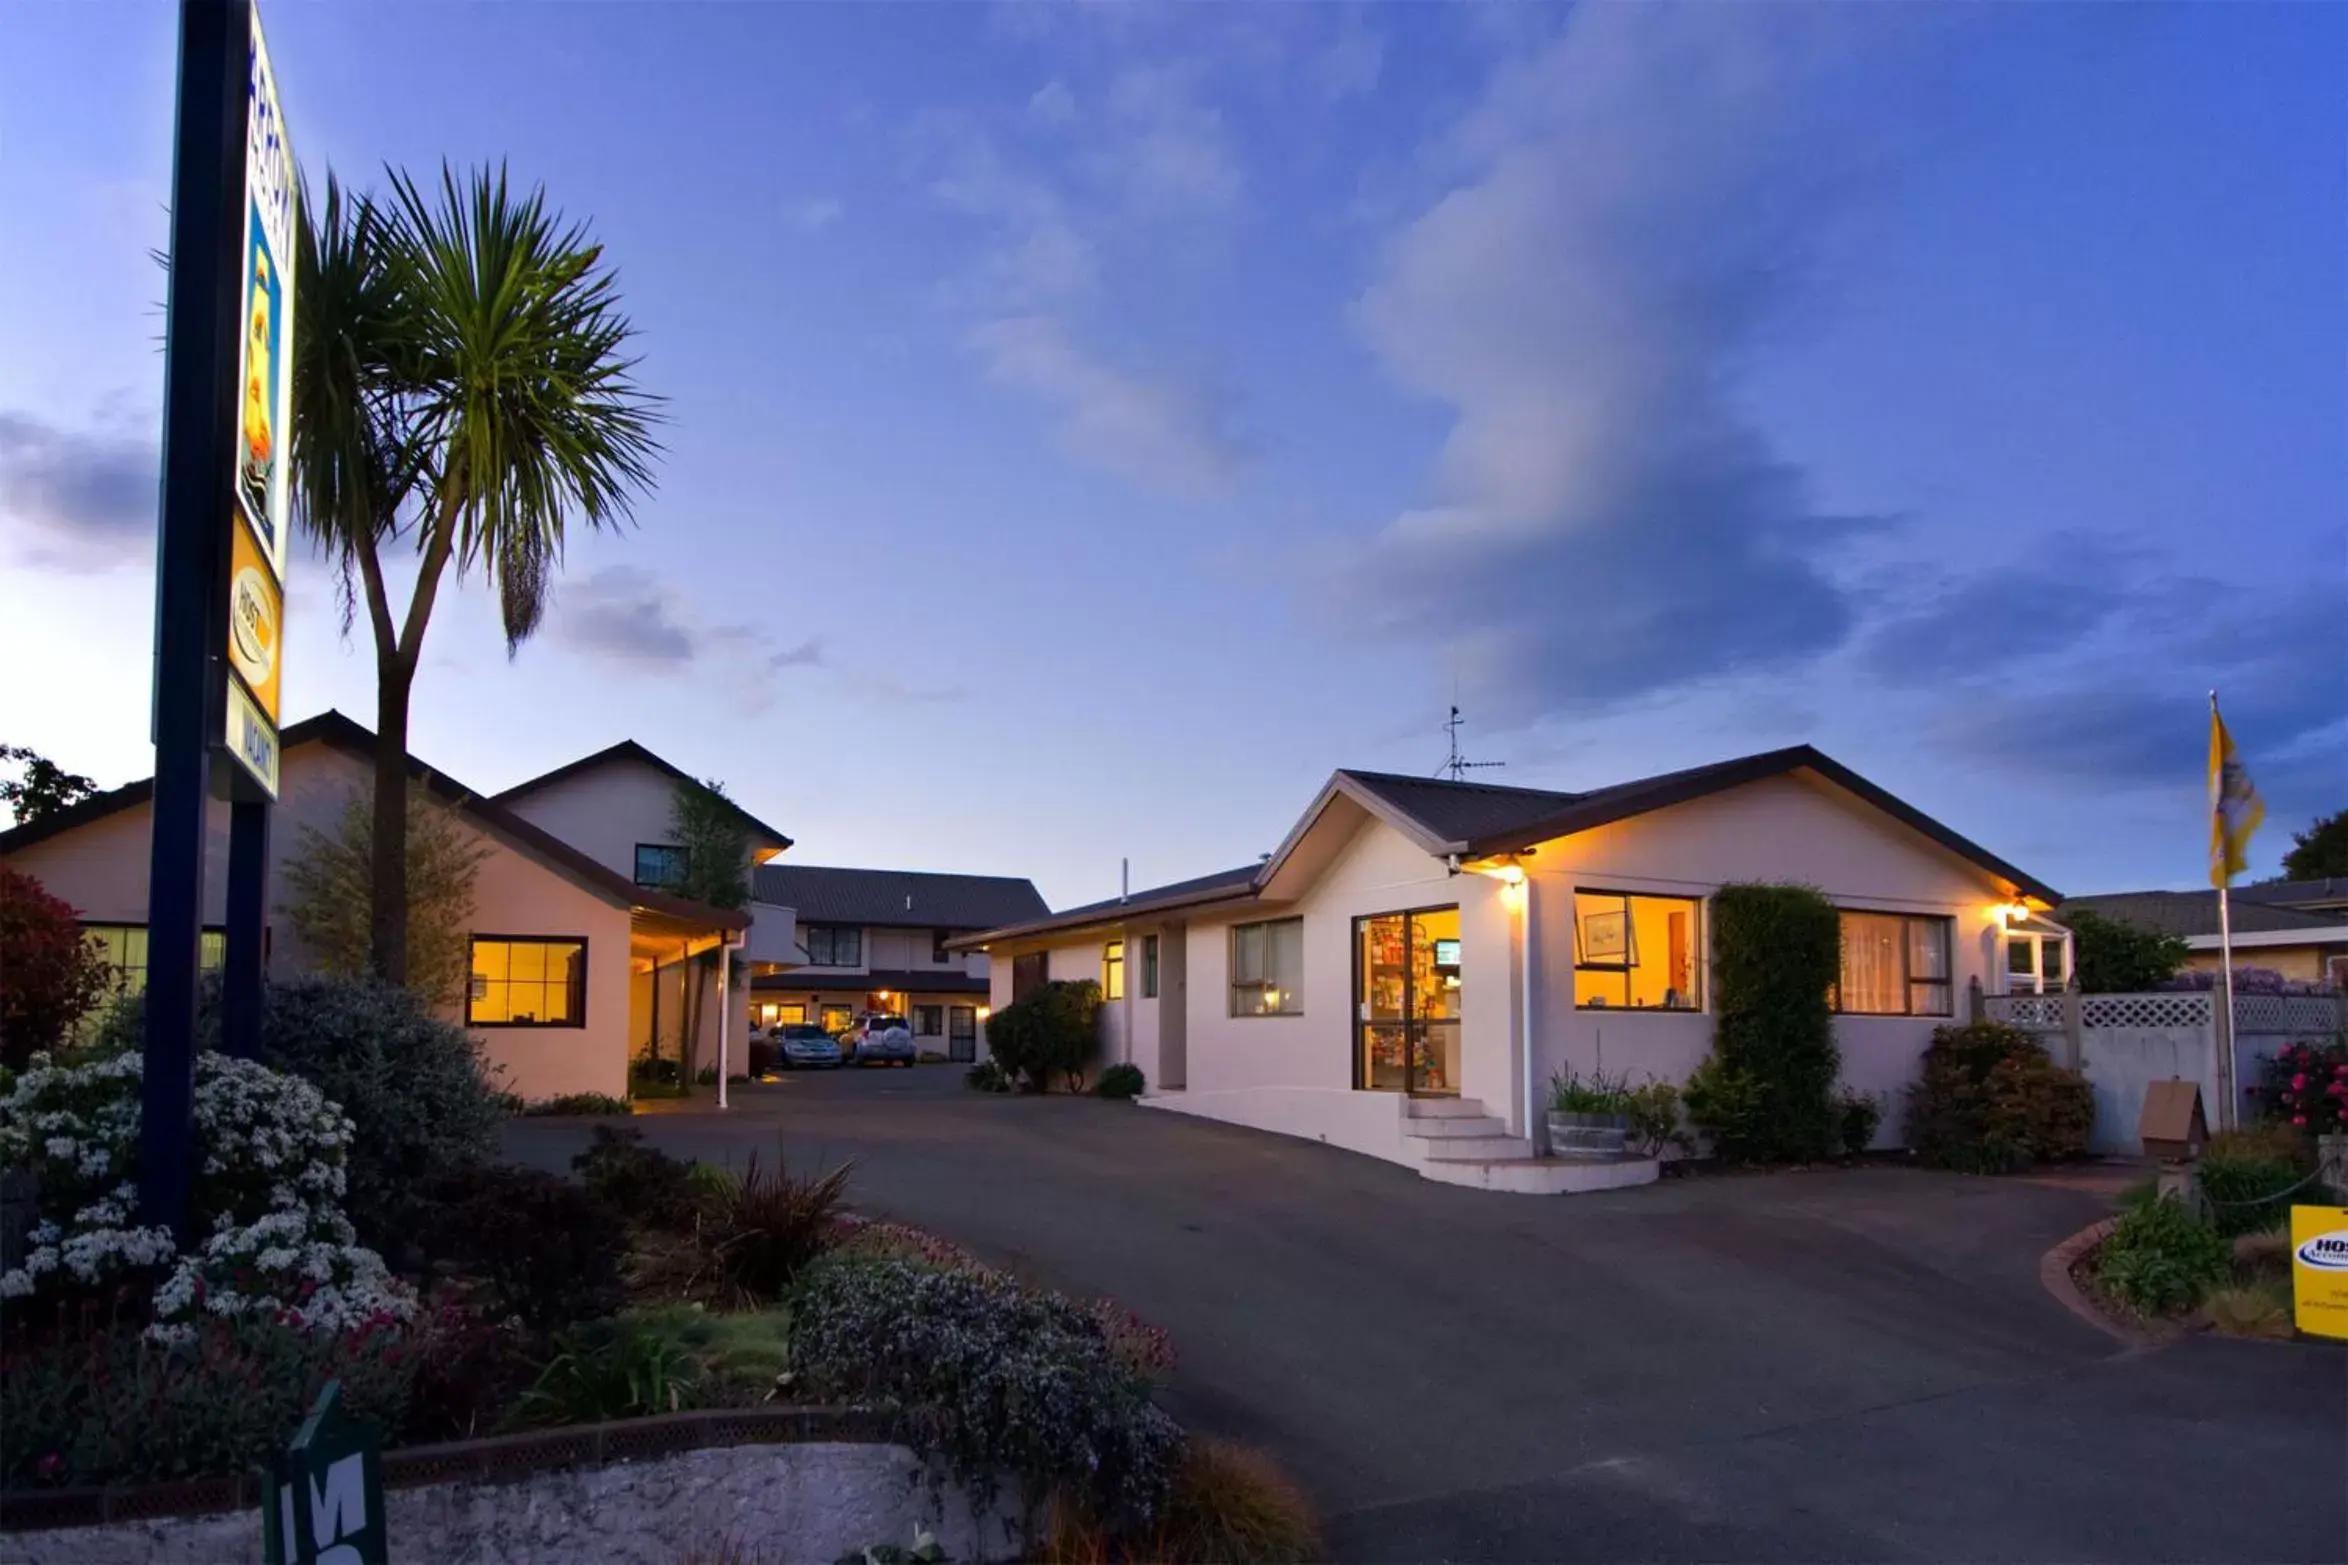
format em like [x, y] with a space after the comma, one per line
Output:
[1457, 766]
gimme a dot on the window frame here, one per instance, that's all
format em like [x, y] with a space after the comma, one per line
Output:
[1112, 969]
[1233, 983]
[1042, 961]
[1908, 980]
[1149, 967]
[939, 956]
[670, 884]
[1699, 969]
[832, 933]
[578, 1019]
[935, 1015]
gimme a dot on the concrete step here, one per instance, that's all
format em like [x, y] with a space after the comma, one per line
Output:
[1544, 1175]
[1452, 1127]
[1476, 1149]
[1444, 1108]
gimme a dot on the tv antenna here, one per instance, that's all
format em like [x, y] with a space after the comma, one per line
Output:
[1456, 766]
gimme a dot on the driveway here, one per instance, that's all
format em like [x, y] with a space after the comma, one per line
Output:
[1835, 1365]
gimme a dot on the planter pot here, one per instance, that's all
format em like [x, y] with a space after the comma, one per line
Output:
[1589, 1135]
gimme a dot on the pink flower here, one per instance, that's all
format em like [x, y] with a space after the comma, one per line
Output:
[2298, 1119]
[2299, 1082]
[50, 1463]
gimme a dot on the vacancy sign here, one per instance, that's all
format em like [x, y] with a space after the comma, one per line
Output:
[262, 516]
[2319, 1269]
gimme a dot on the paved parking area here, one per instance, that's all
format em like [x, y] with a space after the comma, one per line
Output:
[1832, 1365]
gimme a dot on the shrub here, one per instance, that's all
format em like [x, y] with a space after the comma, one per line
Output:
[1858, 1115]
[2249, 1177]
[611, 1369]
[50, 975]
[1050, 1033]
[2305, 1086]
[1231, 1506]
[775, 1225]
[638, 1181]
[579, 1103]
[1776, 955]
[1654, 1112]
[987, 1076]
[1570, 1092]
[2113, 956]
[546, 1250]
[1989, 1101]
[470, 1368]
[997, 1383]
[120, 1408]
[2259, 1308]
[1120, 1081]
[328, 882]
[2161, 1259]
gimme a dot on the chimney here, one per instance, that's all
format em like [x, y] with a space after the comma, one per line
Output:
[1124, 880]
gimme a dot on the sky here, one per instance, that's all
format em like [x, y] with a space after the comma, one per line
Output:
[1089, 426]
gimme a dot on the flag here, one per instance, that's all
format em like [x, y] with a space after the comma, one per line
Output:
[2235, 809]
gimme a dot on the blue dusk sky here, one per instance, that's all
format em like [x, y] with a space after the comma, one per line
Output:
[1090, 426]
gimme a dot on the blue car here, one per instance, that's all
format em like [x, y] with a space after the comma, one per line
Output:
[803, 1045]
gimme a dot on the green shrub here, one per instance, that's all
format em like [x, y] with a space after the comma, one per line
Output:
[579, 1104]
[547, 1250]
[1121, 1081]
[1049, 1034]
[609, 1369]
[121, 1408]
[1858, 1116]
[776, 1223]
[1570, 1092]
[2113, 956]
[998, 1384]
[638, 1181]
[1654, 1112]
[1988, 1100]
[1232, 1506]
[2250, 1177]
[2162, 1260]
[1767, 1095]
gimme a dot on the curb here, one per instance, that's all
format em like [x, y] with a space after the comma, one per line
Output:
[2054, 1275]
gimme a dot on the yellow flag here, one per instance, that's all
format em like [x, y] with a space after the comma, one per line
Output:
[2235, 809]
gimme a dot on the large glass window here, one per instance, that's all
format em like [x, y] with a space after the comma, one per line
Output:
[124, 948]
[527, 981]
[929, 1021]
[1894, 964]
[837, 1019]
[1029, 973]
[660, 865]
[1638, 953]
[1113, 970]
[833, 945]
[1267, 968]
[1406, 1001]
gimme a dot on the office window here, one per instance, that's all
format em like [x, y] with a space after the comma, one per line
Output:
[1113, 970]
[124, 948]
[1149, 967]
[929, 1021]
[1267, 968]
[834, 945]
[660, 865]
[1635, 952]
[937, 947]
[1894, 964]
[1029, 973]
[527, 981]
[837, 1019]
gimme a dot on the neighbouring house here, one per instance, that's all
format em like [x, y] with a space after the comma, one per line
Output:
[569, 949]
[2298, 928]
[1403, 976]
[857, 940]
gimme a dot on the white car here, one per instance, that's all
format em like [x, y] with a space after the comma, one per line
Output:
[879, 1039]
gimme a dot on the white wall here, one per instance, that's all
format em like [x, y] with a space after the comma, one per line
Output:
[604, 811]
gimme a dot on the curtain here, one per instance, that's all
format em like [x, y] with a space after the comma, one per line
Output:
[1874, 980]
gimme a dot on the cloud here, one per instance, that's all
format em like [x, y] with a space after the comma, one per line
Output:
[2060, 597]
[1167, 153]
[807, 654]
[1350, 66]
[1052, 104]
[1635, 208]
[627, 616]
[77, 500]
[1035, 255]
[815, 214]
[1152, 429]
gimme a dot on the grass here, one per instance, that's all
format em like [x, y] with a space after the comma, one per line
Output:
[2257, 1303]
[1230, 1506]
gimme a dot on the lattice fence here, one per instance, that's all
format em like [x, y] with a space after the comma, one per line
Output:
[2034, 1012]
[2146, 1010]
[2285, 1013]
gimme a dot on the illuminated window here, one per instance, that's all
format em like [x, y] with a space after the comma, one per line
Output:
[791, 1015]
[1894, 964]
[837, 1019]
[1113, 970]
[1636, 953]
[528, 981]
[124, 948]
[660, 866]
[833, 945]
[1267, 968]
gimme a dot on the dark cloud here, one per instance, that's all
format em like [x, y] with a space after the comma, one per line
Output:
[807, 654]
[76, 500]
[2003, 615]
[627, 616]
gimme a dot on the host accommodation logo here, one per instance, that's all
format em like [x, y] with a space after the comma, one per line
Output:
[2326, 1252]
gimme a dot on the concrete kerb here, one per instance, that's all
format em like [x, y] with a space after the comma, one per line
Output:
[2054, 1274]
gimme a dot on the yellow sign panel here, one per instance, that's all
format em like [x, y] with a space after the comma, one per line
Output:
[256, 620]
[2319, 1269]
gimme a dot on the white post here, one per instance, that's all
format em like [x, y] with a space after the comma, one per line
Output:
[725, 1010]
[2227, 1116]
[1532, 955]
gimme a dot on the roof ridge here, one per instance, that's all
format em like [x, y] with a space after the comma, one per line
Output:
[1454, 782]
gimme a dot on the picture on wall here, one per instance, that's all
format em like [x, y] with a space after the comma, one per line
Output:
[1606, 937]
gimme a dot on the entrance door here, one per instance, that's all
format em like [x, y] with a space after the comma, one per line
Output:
[1406, 1002]
[962, 1033]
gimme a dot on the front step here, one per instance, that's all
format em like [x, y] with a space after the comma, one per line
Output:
[1453, 1126]
[1544, 1175]
[1444, 1108]
[1474, 1149]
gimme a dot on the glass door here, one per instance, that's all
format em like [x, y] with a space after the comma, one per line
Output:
[1406, 1002]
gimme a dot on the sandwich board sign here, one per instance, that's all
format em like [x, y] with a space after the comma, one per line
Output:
[2319, 1270]
[322, 1502]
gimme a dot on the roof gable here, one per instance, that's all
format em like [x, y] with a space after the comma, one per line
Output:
[822, 894]
[626, 752]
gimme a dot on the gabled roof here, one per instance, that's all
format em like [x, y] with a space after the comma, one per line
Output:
[2195, 913]
[333, 729]
[630, 750]
[899, 898]
[1460, 811]
[1221, 887]
[2325, 893]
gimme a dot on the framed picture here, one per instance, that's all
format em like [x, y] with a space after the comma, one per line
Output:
[1606, 937]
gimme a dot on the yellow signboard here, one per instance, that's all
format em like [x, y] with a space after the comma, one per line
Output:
[2319, 1269]
[256, 621]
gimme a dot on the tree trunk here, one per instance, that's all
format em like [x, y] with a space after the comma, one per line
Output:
[387, 911]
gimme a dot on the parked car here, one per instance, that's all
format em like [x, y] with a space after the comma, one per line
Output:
[805, 1044]
[880, 1039]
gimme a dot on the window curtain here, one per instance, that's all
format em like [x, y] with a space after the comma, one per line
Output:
[1873, 978]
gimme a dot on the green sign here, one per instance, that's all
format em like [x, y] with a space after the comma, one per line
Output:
[323, 1503]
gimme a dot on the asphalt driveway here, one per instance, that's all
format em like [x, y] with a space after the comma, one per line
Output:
[1837, 1365]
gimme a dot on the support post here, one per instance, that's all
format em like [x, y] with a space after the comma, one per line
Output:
[199, 430]
[244, 959]
[725, 1011]
[2074, 1044]
[2227, 1116]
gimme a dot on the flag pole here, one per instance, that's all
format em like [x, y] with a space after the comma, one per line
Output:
[2226, 1107]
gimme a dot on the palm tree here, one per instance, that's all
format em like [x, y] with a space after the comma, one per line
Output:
[463, 388]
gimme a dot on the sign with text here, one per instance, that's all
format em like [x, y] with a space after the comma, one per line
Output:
[2319, 1269]
[323, 1501]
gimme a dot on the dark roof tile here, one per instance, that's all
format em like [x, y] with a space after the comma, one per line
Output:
[913, 899]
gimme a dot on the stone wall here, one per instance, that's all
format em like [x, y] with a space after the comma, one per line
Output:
[777, 1504]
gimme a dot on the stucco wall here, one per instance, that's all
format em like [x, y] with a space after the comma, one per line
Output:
[1784, 829]
[604, 811]
[2305, 962]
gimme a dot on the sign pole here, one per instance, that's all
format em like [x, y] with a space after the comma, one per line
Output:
[199, 422]
[244, 959]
